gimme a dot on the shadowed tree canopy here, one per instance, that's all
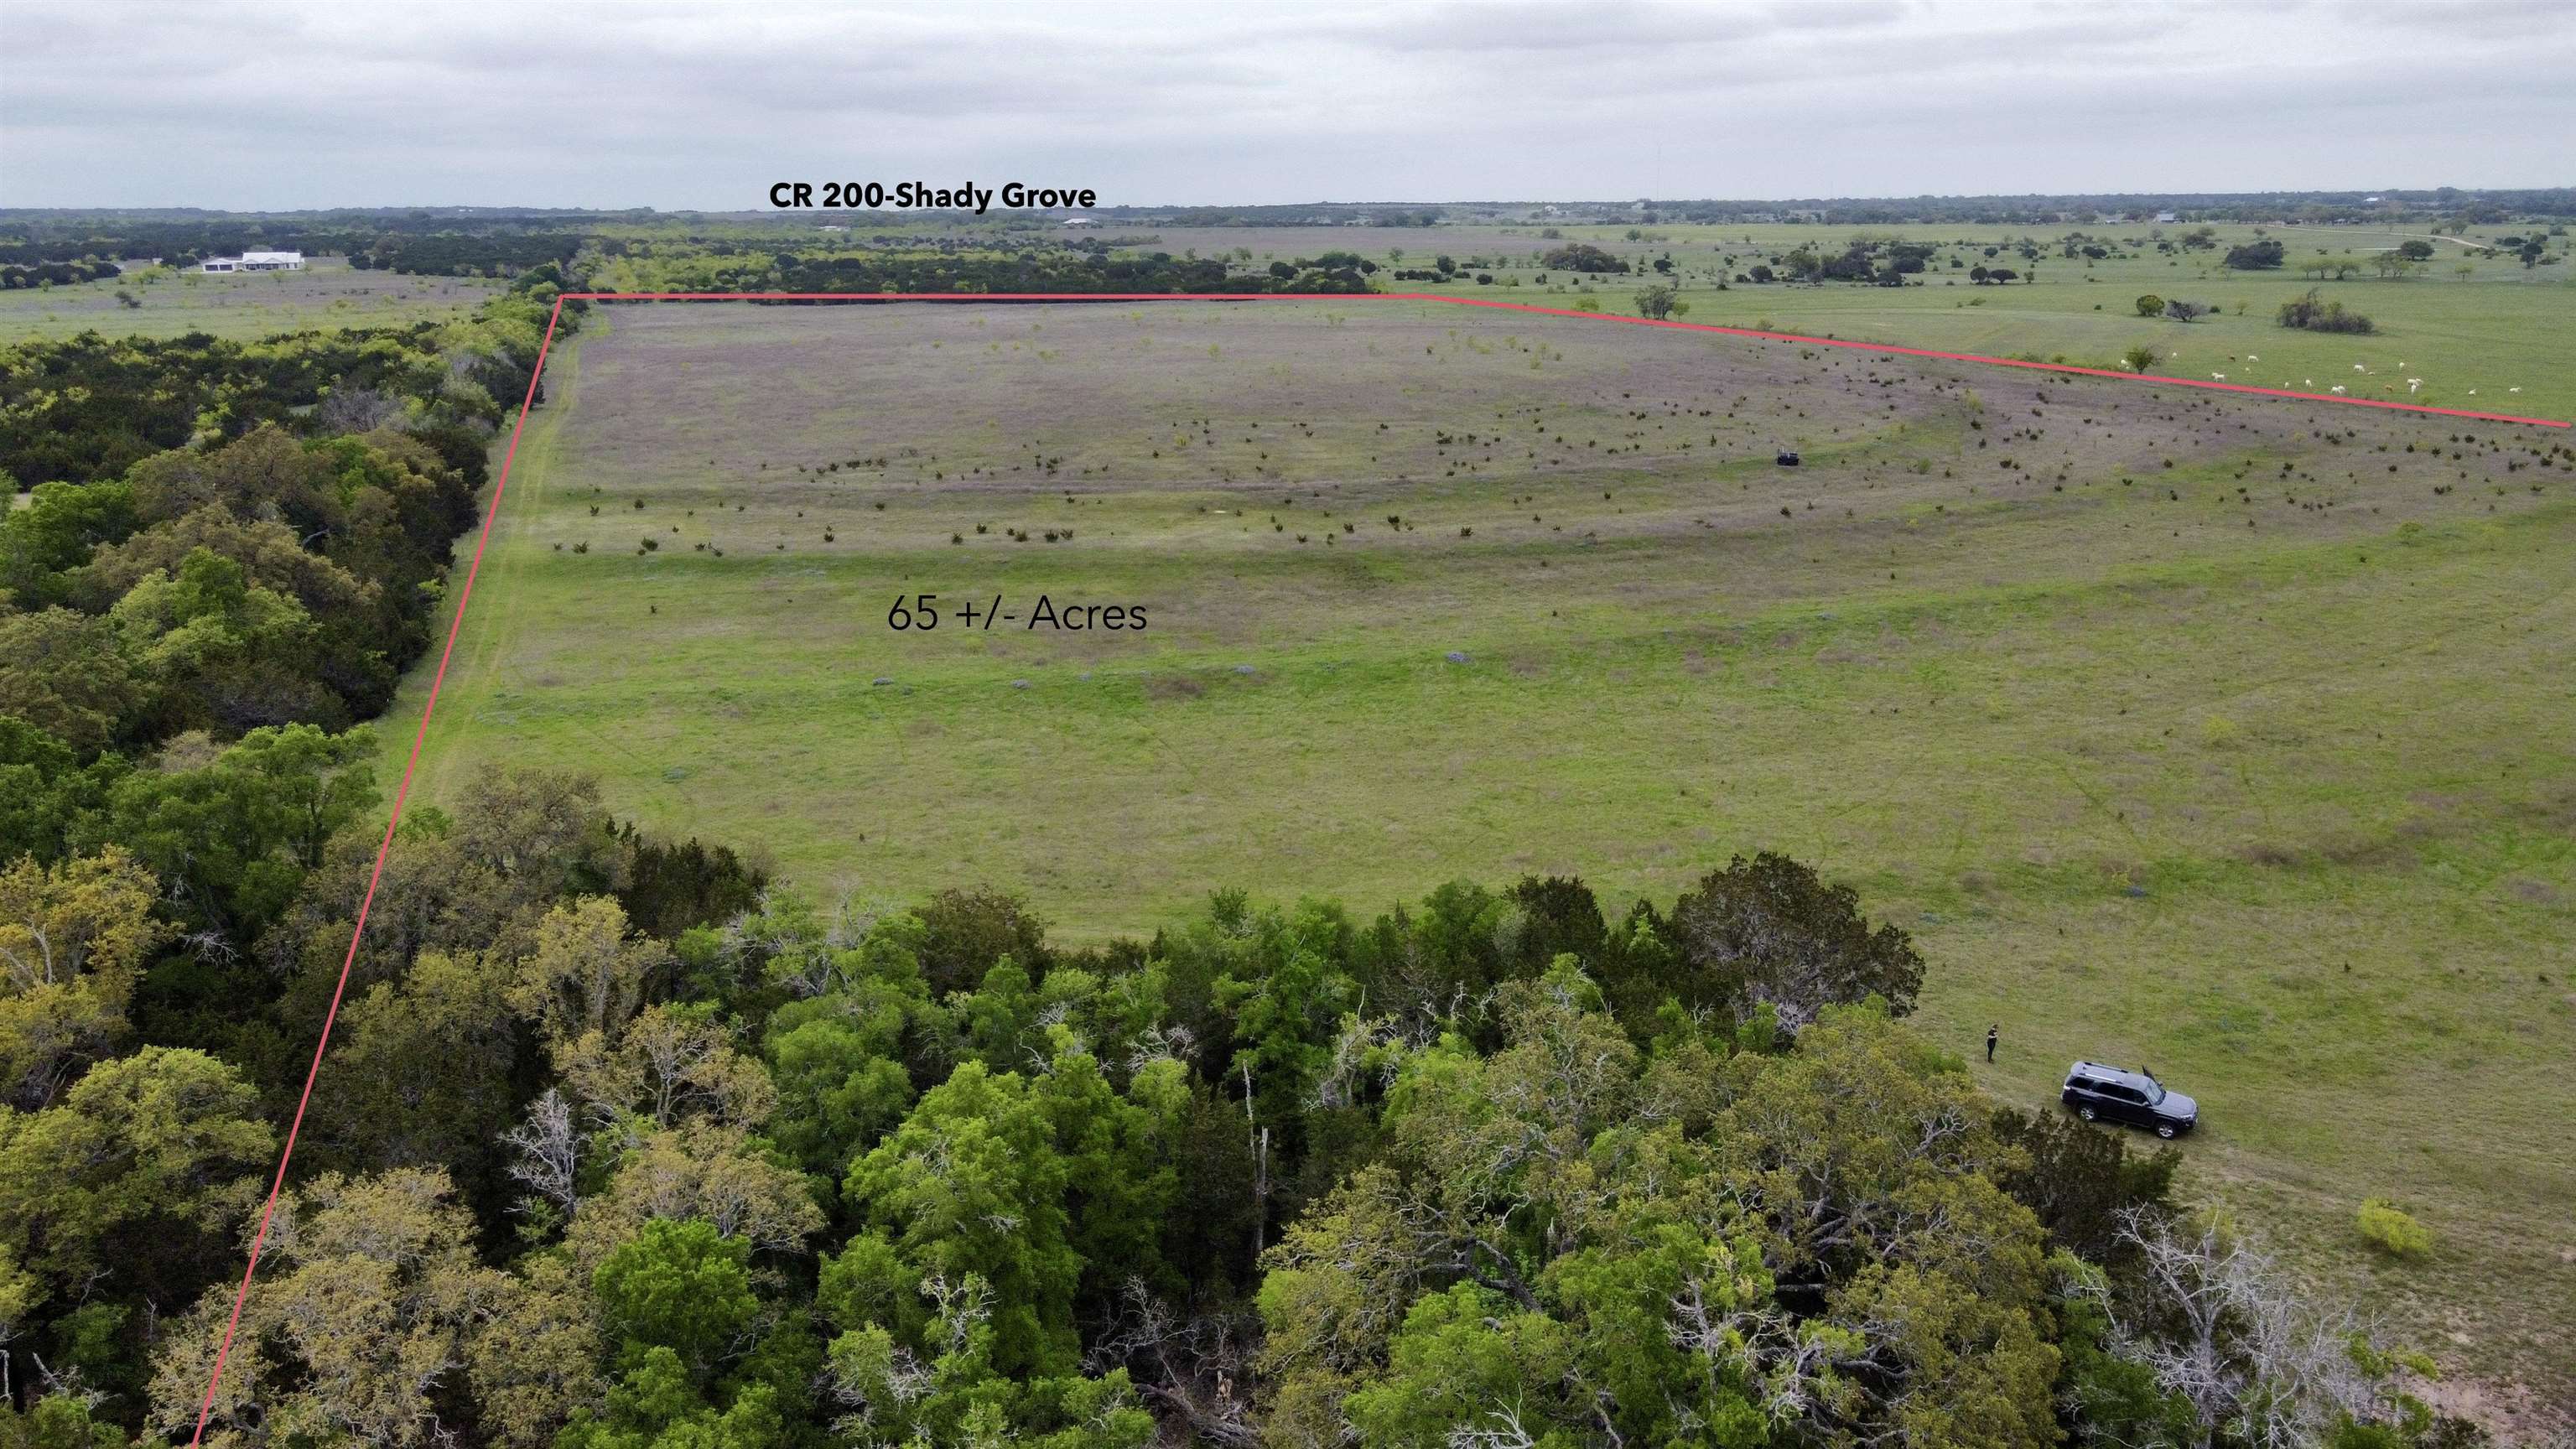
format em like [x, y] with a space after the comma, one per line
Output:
[1769, 932]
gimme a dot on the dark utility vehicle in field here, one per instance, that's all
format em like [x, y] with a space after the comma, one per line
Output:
[2115, 1094]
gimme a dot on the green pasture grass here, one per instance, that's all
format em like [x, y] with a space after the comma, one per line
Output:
[2272, 790]
[2471, 340]
[327, 294]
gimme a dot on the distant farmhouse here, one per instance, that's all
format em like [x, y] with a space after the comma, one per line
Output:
[255, 262]
[1080, 221]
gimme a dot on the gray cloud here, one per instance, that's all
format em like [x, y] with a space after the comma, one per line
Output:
[301, 103]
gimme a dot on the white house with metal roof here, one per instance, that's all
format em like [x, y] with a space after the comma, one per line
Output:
[255, 262]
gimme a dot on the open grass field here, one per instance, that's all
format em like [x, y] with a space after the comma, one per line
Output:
[327, 294]
[2227, 736]
[2499, 328]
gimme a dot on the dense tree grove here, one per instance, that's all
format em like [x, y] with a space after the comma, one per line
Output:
[1485, 1166]
[1580, 257]
[620, 1146]
[2255, 256]
[2312, 313]
[1493, 1168]
[88, 408]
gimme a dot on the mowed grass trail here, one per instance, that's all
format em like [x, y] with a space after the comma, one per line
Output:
[2227, 737]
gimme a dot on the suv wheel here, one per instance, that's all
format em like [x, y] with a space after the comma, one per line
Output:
[2085, 1112]
[2165, 1129]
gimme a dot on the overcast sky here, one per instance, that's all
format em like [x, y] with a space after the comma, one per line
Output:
[275, 104]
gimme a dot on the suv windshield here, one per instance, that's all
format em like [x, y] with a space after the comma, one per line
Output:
[2155, 1091]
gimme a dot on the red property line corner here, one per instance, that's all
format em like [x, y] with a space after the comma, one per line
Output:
[492, 511]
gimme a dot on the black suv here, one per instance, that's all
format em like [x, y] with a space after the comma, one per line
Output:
[2100, 1093]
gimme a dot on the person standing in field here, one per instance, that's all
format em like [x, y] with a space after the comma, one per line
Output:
[1990, 1042]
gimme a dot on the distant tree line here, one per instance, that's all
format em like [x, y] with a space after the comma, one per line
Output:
[2482, 207]
[31, 235]
[451, 254]
[25, 243]
[1051, 270]
[16, 276]
[414, 245]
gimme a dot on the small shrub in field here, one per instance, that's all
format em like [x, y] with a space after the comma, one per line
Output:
[2393, 1231]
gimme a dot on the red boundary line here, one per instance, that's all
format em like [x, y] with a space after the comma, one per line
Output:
[492, 511]
[383, 847]
[2065, 367]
